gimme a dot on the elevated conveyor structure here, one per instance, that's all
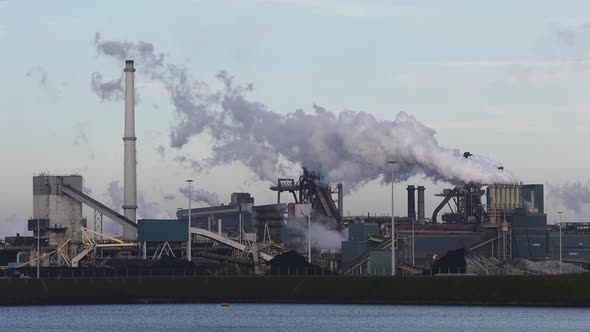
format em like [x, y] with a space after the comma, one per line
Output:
[228, 242]
[129, 227]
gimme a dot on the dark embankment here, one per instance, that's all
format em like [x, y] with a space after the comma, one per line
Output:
[564, 290]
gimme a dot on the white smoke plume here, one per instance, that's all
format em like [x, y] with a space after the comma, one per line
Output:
[574, 196]
[322, 237]
[350, 147]
[201, 195]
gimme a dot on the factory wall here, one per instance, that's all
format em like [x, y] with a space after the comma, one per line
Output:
[529, 235]
[352, 250]
[61, 214]
[380, 262]
[360, 232]
[357, 244]
[575, 247]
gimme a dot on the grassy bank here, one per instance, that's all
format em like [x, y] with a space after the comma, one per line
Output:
[564, 290]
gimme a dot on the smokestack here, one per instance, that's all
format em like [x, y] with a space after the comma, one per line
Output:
[421, 219]
[130, 176]
[340, 202]
[412, 202]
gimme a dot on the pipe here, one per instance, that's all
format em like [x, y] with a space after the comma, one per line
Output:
[130, 175]
[421, 214]
[219, 226]
[411, 202]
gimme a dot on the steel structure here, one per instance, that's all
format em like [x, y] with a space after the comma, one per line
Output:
[467, 206]
[311, 189]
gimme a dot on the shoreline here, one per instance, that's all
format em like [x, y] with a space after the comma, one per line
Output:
[572, 290]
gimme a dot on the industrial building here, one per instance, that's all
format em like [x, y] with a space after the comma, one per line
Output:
[497, 220]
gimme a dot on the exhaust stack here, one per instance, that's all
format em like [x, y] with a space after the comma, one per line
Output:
[421, 219]
[130, 175]
[412, 202]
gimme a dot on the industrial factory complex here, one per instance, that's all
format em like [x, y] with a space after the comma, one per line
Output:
[500, 221]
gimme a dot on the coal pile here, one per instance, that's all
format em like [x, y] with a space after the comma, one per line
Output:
[452, 263]
[292, 263]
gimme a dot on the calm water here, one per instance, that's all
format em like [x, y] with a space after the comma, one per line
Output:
[286, 317]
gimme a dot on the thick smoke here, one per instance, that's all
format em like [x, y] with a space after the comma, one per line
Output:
[574, 196]
[350, 147]
[200, 195]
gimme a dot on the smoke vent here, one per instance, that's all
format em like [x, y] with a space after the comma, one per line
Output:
[412, 202]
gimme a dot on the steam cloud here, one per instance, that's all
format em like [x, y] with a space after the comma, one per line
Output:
[350, 147]
[574, 196]
[145, 209]
[200, 195]
[322, 237]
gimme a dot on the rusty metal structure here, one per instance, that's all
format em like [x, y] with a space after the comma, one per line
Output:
[311, 188]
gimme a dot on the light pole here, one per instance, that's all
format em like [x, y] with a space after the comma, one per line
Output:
[392, 163]
[38, 240]
[560, 212]
[188, 244]
[309, 237]
[413, 247]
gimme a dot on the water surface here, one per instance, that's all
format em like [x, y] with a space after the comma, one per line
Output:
[290, 317]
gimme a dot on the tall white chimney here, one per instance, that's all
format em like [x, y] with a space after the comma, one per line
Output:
[130, 176]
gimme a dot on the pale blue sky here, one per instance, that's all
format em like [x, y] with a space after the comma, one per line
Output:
[508, 80]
